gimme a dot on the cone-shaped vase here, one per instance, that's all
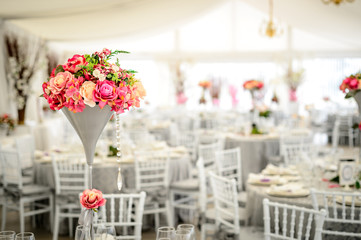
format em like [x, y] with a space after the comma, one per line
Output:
[89, 124]
[357, 98]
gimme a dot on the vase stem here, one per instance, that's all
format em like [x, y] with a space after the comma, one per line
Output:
[90, 183]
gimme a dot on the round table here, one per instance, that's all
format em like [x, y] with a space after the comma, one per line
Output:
[256, 151]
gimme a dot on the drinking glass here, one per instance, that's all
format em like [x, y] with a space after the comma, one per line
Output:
[165, 232]
[25, 236]
[183, 234]
[82, 233]
[7, 235]
[189, 227]
[105, 232]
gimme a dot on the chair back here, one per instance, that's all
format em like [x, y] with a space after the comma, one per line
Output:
[151, 170]
[124, 210]
[295, 229]
[70, 173]
[229, 164]
[208, 153]
[295, 148]
[189, 140]
[225, 202]
[25, 146]
[11, 169]
[341, 207]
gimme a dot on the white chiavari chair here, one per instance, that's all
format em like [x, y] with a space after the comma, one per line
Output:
[123, 210]
[226, 212]
[25, 146]
[229, 165]
[341, 207]
[295, 229]
[295, 149]
[20, 197]
[189, 140]
[208, 153]
[151, 176]
[71, 178]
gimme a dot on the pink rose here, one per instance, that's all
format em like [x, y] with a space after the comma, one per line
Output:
[58, 83]
[353, 83]
[106, 51]
[74, 63]
[86, 91]
[104, 92]
[92, 199]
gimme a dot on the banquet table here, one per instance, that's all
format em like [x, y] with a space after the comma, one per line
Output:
[105, 173]
[256, 151]
[254, 208]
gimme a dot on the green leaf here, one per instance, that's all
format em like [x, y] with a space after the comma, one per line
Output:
[59, 69]
[349, 95]
[42, 95]
[357, 185]
[335, 179]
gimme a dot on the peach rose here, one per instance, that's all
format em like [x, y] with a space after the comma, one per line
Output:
[58, 83]
[86, 91]
[139, 89]
[92, 199]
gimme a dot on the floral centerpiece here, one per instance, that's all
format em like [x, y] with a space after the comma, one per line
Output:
[7, 123]
[92, 80]
[293, 79]
[351, 85]
[89, 89]
[252, 86]
[233, 90]
[205, 85]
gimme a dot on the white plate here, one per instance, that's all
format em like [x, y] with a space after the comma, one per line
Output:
[265, 183]
[297, 194]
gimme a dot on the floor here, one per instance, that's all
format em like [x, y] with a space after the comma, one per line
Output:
[249, 233]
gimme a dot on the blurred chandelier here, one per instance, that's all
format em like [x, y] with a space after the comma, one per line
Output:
[336, 2]
[270, 28]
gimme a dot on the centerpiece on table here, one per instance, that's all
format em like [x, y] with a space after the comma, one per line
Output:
[7, 124]
[89, 89]
[205, 85]
[252, 86]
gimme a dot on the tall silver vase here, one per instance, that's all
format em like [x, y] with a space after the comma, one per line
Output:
[89, 124]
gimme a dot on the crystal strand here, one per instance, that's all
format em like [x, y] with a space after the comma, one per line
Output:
[119, 154]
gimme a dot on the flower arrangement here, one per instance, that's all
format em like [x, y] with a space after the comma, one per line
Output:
[215, 90]
[92, 80]
[351, 84]
[233, 90]
[253, 85]
[205, 84]
[92, 199]
[7, 122]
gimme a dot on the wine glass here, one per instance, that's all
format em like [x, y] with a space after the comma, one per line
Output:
[105, 232]
[189, 227]
[7, 235]
[183, 234]
[82, 233]
[165, 232]
[25, 236]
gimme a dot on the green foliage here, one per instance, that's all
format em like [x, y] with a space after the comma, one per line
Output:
[112, 151]
[59, 69]
[265, 114]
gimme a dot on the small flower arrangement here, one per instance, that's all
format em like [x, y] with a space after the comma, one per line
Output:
[92, 199]
[7, 122]
[92, 80]
[205, 84]
[351, 85]
[253, 85]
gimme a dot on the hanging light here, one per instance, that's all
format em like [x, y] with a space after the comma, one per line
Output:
[270, 28]
[336, 2]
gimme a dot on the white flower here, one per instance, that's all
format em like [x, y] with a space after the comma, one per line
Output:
[97, 74]
[115, 68]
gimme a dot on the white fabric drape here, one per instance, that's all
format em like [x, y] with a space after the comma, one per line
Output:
[111, 19]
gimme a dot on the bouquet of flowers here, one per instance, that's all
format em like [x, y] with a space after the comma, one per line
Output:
[253, 85]
[7, 122]
[204, 85]
[352, 84]
[92, 80]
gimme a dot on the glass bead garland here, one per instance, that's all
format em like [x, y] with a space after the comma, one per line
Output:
[119, 154]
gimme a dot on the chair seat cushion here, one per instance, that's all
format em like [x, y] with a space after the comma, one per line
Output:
[34, 189]
[211, 214]
[188, 184]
